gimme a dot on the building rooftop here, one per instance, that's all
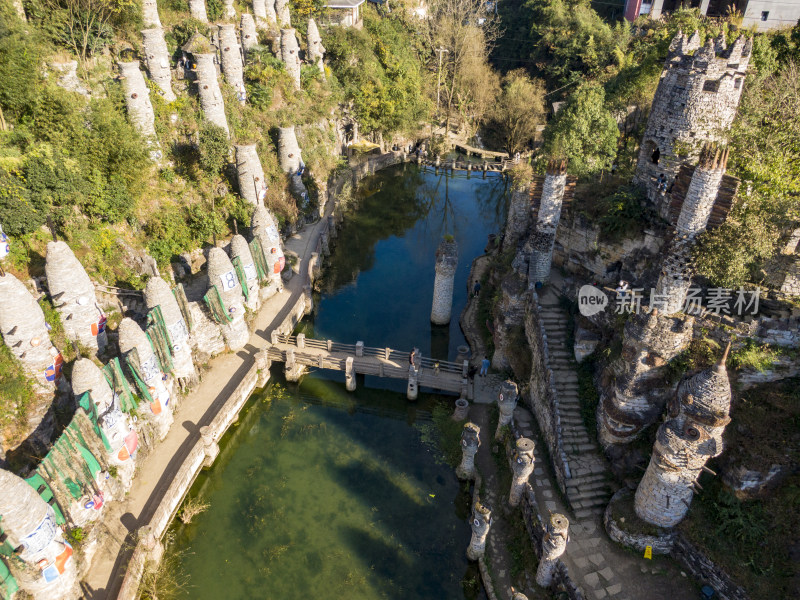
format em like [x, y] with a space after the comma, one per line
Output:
[344, 3]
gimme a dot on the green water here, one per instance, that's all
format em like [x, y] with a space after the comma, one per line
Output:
[320, 493]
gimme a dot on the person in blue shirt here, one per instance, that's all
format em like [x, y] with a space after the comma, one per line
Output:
[485, 366]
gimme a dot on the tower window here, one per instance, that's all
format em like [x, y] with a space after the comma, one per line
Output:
[737, 84]
[655, 156]
[764, 15]
[711, 85]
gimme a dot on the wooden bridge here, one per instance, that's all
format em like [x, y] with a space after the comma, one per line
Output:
[300, 353]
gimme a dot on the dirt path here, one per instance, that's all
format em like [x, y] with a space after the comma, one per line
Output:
[155, 472]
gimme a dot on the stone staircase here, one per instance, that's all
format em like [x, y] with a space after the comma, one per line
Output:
[588, 491]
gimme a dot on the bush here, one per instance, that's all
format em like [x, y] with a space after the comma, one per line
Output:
[16, 390]
[213, 148]
[753, 355]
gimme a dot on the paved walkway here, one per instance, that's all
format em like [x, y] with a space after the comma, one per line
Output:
[154, 474]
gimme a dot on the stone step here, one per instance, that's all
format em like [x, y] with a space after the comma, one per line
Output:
[587, 480]
[593, 470]
[590, 500]
[577, 448]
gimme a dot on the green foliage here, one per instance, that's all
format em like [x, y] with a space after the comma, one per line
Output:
[213, 148]
[214, 9]
[753, 355]
[16, 390]
[623, 214]
[518, 112]
[182, 32]
[583, 131]
[701, 353]
[75, 536]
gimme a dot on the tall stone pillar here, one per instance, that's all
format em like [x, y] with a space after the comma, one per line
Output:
[283, 14]
[232, 65]
[350, 375]
[19, 9]
[519, 216]
[264, 10]
[74, 297]
[252, 183]
[197, 8]
[229, 12]
[265, 228]
[240, 250]
[470, 442]
[155, 49]
[137, 99]
[481, 522]
[544, 235]
[316, 51]
[522, 467]
[290, 54]
[150, 14]
[506, 403]
[25, 332]
[29, 526]
[697, 417]
[553, 546]
[158, 293]
[249, 33]
[412, 389]
[131, 337]
[208, 89]
[222, 274]
[508, 317]
[446, 262]
[288, 150]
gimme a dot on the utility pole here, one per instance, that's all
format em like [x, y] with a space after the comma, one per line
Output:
[440, 51]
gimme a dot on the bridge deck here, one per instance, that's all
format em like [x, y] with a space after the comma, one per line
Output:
[380, 362]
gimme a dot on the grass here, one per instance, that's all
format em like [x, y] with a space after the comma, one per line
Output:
[753, 355]
[16, 391]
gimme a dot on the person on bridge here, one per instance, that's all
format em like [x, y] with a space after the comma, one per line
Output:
[412, 357]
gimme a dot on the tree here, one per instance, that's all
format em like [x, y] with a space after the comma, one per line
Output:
[520, 109]
[584, 131]
[213, 148]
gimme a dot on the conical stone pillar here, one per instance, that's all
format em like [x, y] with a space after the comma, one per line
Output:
[29, 525]
[282, 12]
[232, 65]
[553, 546]
[480, 524]
[522, 467]
[288, 150]
[229, 12]
[470, 442]
[25, 332]
[446, 262]
[158, 293]
[316, 51]
[290, 54]
[137, 99]
[150, 13]
[506, 402]
[208, 88]
[131, 337]
[249, 33]
[155, 48]
[240, 250]
[222, 274]
[265, 228]
[252, 183]
[74, 297]
[264, 11]
[197, 8]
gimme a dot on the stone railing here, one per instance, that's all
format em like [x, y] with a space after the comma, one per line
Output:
[543, 397]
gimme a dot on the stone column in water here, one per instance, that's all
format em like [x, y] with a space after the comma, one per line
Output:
[290, 55]
[229, 12]
[506, 402]
[131, 337]
[350, 375]
[282, 12]
[208, 89]
[74, 298]
[692, 434]
[265, 228]
[25, 332]
[553, 545]
[116, 425]
[316, 51]
[155, 49]
[137, 99]
[158, 293]
[252, 184]
[470, 441]
[240, 250]
[446, 262]
[522, 467]
[544, 234]
[29, 526]
[232, 65]
[222, 274]
[197, 8]
[249, 33]
[150, 13]
[264, 10]
[481, 522]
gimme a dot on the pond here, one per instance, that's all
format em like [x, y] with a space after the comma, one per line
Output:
[322, 493]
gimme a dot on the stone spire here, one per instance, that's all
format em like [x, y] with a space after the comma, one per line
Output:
[137, 99]
[229, 12]
[288, 150]
[252, 183]
[155, 48]
[446, 262]
[240, 250]
[264, 10]
[232, 65]
[506, 403]
[87, 377]
[481, 522]
[25, 331]
[222, 274]
[73, 295]
[553, 545]
[150, 14]
[316, 51]
[158, 293]
[544, 234]
[692, 434]
[522, 467]
[197, 8]
[131, 337]
[249, 33]
[290, 54]
[208, 89]
[29, 526]
[265, 228]
[282, 12]
[470, 441]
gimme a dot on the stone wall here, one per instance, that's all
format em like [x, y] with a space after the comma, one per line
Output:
[703, 568]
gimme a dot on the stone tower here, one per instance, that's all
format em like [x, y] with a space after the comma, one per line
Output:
[252, 183]
[137, 99]
[197, 8]
[446, 262]
[208, 88]
[481, 523]
[522, 467]
[283, 13]
[506, 403]
[30, 527]
[150, 13]
[232, 65]
[264, 11]
[222, 274]
[240, 250]
[157, 55]
[288, 150]
[470, 442]
[698, 414]
[316, 51]
[249, 33]
[290, 54]
[74, 297]
[553, 545]
[229, 11]
[544, 233]
[264, 227]
[695, 102]
[158, 293]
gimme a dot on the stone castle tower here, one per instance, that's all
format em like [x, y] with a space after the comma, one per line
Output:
[696, 102]
[692, 434]
[544, 234]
